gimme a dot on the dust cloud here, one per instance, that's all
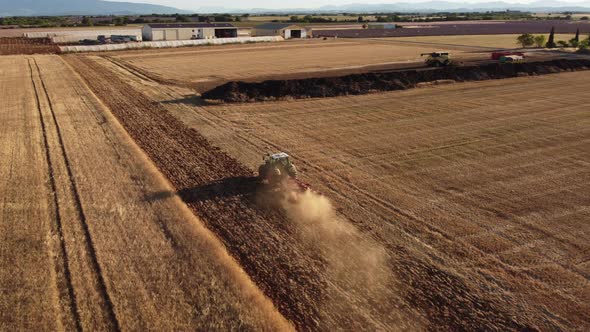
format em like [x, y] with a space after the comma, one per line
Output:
[352, 259]
[361, 291]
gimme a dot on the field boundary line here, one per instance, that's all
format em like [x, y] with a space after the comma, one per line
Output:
[81, 215]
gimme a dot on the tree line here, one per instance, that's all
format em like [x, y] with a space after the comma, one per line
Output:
[529, 40]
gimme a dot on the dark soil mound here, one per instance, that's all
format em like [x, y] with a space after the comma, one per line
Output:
[365, 83]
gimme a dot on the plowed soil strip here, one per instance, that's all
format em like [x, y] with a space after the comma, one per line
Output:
[222, 192]
[357, 84]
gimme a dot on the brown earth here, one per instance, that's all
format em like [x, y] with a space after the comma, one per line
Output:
[479, 201]
[86, 242]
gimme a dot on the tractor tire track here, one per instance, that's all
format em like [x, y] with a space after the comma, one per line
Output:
[65, 288]
[89, 248]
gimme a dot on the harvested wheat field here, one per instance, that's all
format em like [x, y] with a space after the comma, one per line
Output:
[87, 243]
[216, 64]
[451, 207]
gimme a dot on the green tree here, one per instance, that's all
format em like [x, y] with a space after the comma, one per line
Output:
[526, 40]
[577, 37]
[360, 19]
[563, 43]
[182, 18]
[86, 21]
[551, 42]
[574, 42]
[540, 40]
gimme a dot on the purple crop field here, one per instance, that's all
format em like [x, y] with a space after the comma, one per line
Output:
[446, 29]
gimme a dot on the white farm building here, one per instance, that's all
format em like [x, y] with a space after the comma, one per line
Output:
[162, 31]
[285, 30]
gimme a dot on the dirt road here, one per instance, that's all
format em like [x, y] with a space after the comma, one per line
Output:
[87, 243]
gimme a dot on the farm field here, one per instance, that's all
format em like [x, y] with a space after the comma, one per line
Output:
[260, 61]
[478, 41]
[490, 191]
[476, 204]
[128, 202]
[86, 241]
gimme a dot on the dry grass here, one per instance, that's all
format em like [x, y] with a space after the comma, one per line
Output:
[479, 191]
[132, 258]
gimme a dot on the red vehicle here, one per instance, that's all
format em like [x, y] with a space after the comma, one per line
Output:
[498, 55]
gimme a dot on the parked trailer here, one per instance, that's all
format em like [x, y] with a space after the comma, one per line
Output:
[511, 59]
[123, 38]
[497, 55]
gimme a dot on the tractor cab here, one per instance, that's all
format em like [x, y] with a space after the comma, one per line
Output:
[277, 157]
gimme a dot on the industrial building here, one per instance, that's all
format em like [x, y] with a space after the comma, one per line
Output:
[285, 30]
[174, 31]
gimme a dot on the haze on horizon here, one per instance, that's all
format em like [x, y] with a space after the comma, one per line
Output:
[276, 4]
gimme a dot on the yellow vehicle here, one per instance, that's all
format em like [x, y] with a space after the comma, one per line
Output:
[438, 59]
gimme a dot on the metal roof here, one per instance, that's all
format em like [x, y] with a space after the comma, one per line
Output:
[189, 25]
[274, 26]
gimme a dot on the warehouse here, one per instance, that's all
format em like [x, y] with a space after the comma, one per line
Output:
[285, 30]
[173, 31]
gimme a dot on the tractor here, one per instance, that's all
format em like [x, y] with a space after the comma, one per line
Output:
[276, 168]
[438, 59]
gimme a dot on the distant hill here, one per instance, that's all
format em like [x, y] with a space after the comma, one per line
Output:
[79, 7]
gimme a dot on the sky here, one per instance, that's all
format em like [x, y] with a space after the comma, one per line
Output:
[278, 4]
